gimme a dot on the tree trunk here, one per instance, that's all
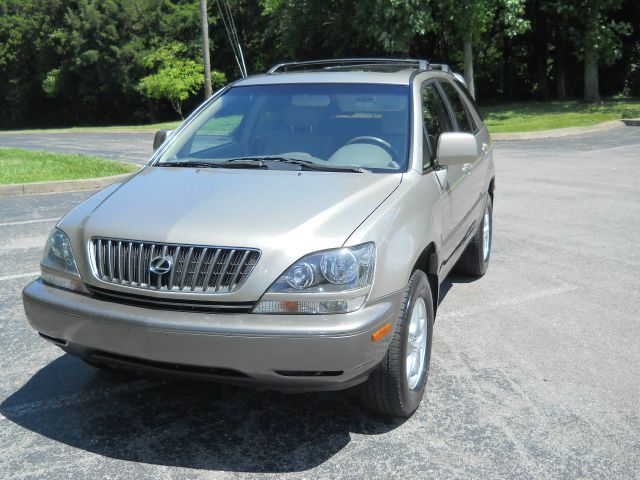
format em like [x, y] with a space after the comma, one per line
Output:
[204, 21]
[539, 30]
[507, 91]
[561, 87]
[151, 108]
[468, 64]
[591, 90]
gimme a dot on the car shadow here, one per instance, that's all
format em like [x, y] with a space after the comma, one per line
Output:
[450, 281]
[187, 424]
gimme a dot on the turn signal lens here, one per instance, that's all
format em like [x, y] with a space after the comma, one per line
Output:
[310, 306]
[380, 333]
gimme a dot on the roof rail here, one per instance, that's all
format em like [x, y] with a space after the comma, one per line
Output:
[340, 62]
[440, 66]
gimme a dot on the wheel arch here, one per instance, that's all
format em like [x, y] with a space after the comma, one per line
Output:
[428, 263]
[492, 187]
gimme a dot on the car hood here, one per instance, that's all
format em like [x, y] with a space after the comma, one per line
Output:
[285, 214]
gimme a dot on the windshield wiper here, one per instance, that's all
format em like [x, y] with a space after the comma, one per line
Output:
[302, 163]
[226, 164]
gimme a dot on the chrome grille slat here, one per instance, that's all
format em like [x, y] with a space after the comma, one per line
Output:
[222, 272]
[194, 269]
[110, 259]
[185, 268]
[149, 257]
[173, 270]
[236, 273]
[140, 248]
[100, 259]
[119, 257]
[212, 265]
[129, 263]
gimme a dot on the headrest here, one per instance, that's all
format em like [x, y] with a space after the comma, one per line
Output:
[300, 119]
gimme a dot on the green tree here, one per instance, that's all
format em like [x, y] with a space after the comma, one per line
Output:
[599, 40]
[335, 28]
[469, 19]
[178, 76]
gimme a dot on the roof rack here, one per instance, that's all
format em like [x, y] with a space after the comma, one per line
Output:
[344, 62]
[441, 66]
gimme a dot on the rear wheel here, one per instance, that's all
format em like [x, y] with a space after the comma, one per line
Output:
[397, 385]
[475, 259]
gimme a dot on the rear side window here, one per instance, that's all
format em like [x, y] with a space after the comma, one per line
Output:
[465, 122]
[435, 117]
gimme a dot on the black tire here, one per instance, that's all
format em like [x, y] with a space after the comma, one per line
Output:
[473, 260]
[387, 390]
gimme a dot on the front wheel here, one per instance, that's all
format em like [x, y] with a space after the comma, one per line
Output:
[397, 385]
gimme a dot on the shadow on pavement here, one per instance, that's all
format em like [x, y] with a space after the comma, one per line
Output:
[450, 281]
[187, 424]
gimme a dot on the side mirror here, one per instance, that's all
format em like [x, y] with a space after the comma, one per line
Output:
[455, 148]
[159, 139]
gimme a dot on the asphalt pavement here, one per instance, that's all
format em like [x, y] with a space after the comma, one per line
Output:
[132, 147]
[534, 371]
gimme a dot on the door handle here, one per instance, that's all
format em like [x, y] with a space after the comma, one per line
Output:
[466, 168]
[485, 147]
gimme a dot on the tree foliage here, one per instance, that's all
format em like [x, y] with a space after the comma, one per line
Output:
[177, 76]
[65, 62]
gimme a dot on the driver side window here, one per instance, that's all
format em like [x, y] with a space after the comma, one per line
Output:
[436, 120]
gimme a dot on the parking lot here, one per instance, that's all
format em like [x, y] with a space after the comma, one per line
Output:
[535, 367]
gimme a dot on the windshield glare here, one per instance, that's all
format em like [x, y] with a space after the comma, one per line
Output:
[351, 125]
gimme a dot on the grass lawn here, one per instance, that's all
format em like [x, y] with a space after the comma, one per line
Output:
[24, 166]
[534, 116]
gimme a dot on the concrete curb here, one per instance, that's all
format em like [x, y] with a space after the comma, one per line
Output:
[631, 122]
[61, 185]
[558, 132]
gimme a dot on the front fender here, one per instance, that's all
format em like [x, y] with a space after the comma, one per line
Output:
[402, 226]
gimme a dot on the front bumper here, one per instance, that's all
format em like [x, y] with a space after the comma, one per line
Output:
[282, 352]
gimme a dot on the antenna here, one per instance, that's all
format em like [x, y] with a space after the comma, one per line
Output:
[232, 34]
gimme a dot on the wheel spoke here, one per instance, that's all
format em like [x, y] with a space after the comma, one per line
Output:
[486, 233]
[416, 345]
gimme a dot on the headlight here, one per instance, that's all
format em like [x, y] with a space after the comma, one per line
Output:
[333, 281]
[58, 266]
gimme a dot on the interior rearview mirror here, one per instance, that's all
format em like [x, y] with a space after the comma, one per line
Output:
[161, 136]
[455, 148]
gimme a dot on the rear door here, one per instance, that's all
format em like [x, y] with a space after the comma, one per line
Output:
[470, 186]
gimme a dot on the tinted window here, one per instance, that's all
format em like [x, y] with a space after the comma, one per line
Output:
[359, 125]
[435, 116]
[465, 123]
[471, 101]
[219, 128]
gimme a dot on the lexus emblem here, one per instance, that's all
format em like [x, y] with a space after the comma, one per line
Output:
[160, 265]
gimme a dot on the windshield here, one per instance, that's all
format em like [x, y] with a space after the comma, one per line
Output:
[333, 125]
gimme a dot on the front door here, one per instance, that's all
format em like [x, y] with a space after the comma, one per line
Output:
[438, 120]
[473, 194]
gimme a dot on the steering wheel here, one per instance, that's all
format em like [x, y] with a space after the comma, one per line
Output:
[376, 141]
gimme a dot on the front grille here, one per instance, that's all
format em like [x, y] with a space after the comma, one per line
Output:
[190, 268]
